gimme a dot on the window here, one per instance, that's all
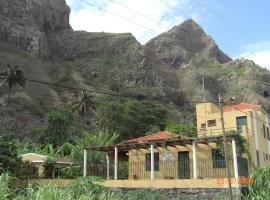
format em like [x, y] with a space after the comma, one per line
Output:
[211, 123]
[203, 125]
[268, 134]
[148, 161]
[241, 121]
[264, 131]
[218, 159]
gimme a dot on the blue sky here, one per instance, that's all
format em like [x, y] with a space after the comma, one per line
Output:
[241, 28]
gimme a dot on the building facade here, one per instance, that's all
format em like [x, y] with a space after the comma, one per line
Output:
[250, 120]
[165, 155]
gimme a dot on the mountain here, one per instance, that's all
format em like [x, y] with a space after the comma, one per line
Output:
[185, 42]
[37, 36]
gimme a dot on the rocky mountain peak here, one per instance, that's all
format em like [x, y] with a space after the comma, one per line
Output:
[186, 42]
[27, 23]
[43, 15]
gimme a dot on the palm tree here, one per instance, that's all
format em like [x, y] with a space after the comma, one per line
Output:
[83, 104]
[12, 76]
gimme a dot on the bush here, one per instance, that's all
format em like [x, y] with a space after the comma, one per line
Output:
[260, 189]
[184, 129]
[4, 186]
[9, 158]
[131, 118]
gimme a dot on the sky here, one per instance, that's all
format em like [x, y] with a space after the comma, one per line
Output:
[241, 28]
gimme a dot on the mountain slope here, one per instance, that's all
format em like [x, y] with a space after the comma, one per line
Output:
[185, 42]
[36, 35]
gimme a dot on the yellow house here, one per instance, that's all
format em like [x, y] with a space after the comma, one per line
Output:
[168, 160]
[250, 120]
[38, 161]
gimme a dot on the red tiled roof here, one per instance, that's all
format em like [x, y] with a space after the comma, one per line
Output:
[154, 137]
[241, 106]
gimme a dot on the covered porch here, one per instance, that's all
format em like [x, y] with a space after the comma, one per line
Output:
[167, 161]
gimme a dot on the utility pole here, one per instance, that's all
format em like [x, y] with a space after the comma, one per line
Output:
[203, 87]
[224, 146]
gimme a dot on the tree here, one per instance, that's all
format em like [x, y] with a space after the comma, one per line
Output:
[98, 137]
[9, 157]
[58, 125]
[129, 118]
[12, 76]
[184, 129]
[83, 103]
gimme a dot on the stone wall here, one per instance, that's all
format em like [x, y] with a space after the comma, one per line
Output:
[209, 193]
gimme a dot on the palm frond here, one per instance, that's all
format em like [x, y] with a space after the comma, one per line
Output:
[12, 76]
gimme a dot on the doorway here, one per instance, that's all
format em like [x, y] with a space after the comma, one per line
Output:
[183, 165]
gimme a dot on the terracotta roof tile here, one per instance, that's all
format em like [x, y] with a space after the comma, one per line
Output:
[154, 137]
[241, 106]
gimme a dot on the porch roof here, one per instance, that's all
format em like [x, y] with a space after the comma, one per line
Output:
[176, 141]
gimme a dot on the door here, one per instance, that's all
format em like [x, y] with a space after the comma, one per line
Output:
[183, 165]
[241, 121]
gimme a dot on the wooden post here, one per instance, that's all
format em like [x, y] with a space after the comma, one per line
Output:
[152, 162]
[194, 153]
[85, 162]
[115, 163]
[235, 164]
[108, 167]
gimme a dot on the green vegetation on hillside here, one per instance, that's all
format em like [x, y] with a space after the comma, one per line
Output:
[129, 118]
[9, 157]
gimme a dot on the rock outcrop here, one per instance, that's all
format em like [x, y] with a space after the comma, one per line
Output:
[26, 23]
[185, 42]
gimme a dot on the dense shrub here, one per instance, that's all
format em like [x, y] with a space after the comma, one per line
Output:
[9, 157]
[260, 189]
[130, 118]
[4, 186]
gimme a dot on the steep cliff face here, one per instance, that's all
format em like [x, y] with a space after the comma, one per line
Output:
[185, 42]
[36, 35]
[42, 28]
[26, 23]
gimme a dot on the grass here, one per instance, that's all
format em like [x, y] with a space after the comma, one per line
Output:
[260, 189]
[4, 186]
[81, 189]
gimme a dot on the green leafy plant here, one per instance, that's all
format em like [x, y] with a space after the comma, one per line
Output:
[4, 186]
[57, 126]
[83, 103]
[130, 118]
[241, 143]
[9, 157]
[260, 188]
[98, 137]
[183, 129]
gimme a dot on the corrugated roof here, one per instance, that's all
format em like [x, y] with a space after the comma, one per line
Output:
[162, 135]
[241, 106]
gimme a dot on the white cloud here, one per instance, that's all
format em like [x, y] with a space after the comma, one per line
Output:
[143, 18]
[258, 52]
